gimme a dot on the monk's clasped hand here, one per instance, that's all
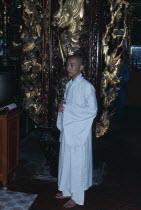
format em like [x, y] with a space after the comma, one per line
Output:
[60, 106]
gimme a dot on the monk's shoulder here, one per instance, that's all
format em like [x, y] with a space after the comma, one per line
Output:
[87, 85]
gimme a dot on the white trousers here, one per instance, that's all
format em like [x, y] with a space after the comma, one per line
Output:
[77, 197]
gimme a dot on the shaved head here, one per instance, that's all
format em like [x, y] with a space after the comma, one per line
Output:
[77, 57]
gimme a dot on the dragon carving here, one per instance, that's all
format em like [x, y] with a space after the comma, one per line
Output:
[70, 18]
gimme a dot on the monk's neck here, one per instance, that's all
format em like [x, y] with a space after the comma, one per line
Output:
[73, 78]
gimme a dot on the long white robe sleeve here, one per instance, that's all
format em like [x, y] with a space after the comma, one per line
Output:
[78, 118]
[75, 124]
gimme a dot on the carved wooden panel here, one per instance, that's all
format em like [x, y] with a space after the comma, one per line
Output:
[9, 143]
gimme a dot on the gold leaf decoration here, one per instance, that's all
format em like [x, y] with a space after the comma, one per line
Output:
[113, 47]
[69, 15]
[32, 58]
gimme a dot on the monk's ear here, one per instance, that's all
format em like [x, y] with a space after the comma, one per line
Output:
[81, 67]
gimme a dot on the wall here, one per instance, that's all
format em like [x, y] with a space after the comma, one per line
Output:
[134, 89]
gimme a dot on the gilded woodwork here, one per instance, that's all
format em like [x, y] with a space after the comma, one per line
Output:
[69, 15]
[35, 68]
[113, 48]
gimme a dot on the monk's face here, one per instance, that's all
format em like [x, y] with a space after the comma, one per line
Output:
[74, 67]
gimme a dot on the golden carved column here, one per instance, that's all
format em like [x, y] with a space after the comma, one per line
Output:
[113, 44]
[70, 18]
[35, 58]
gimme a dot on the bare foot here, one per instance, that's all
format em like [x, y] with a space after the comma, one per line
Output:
[70, 204]
[60, 196]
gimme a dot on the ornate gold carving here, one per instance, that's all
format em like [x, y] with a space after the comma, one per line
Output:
[69, 16]
[32, 58]
[112, 58]
[103, 124]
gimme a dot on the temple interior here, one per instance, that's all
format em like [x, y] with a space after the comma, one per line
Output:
[36, 37]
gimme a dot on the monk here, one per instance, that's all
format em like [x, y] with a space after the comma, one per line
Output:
[75, 117]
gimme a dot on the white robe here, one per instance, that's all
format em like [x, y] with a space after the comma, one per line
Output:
[75, 124]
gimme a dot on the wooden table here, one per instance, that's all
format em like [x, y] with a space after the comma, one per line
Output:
[9, 143]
